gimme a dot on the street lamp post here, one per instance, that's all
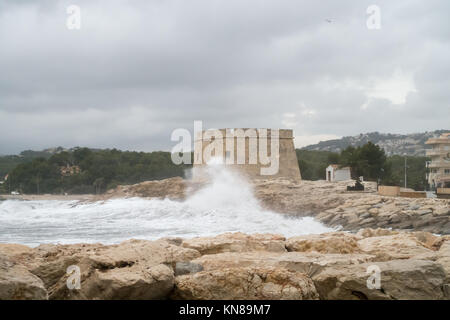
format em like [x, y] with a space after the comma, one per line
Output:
[405, 173]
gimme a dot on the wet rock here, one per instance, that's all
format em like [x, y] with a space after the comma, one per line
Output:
[182, 268]
[368, 232]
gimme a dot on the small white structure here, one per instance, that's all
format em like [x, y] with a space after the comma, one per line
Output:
[4, 180]
[335, 173]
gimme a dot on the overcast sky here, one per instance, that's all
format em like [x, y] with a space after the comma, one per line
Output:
[137, 70]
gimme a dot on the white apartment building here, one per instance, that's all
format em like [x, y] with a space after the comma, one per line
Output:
[439, 166]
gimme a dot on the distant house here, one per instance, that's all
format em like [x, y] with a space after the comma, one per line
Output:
[69, 170]
[336, 173]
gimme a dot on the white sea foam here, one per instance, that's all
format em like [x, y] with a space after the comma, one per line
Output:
[226, 205]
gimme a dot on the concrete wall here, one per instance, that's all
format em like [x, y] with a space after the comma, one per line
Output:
[413, 194]
[394, 191]
[389, 191]
[443, 191]
[288, 164]
[335, 174]
[342, 175]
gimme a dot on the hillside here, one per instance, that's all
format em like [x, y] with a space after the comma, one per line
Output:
[9, 162]
[83, 170]
[393, 144]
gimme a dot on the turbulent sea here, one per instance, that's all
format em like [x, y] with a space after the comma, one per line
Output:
[227, 205]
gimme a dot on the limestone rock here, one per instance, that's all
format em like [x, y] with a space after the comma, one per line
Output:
[428, 239]
[182, 268]
[337, 242]
[444, 249]
[14, 250]
[413, 265]
[397, 246]
[245, 283]
[134, 283]
[399, 279]
[309, 263]
[444, 262]
[441, 211]
[17, 283]
[236, 242]
[172, 188]
[368, 232]
[110, 272]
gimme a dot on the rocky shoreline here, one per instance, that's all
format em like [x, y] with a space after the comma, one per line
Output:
[412, 265]
[331, 204]
[396, 237]
[328, 202]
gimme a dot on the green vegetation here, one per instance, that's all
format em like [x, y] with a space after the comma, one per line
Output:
[415, 170]
[313, 163]
[368, 161]
[8, 163]
[95, 171]
[99, 170]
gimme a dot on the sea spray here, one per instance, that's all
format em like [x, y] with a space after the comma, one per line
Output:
[226, 204]
[226, 189]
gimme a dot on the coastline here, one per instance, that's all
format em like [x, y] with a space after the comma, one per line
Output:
[329, 203]
[404, 238]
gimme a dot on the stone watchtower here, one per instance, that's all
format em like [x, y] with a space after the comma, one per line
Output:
[256, 153]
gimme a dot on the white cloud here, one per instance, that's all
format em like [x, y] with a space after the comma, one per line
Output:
[394, 88]
[306, 140]
[289, 120]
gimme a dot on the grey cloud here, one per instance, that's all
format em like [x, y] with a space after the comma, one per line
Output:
[138, 70]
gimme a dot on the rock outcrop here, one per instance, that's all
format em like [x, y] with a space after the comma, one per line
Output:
[337, 242]
[236, 242]
[172, 188]
[17, 283]
[337, 265]
[399, 279]
[250, 283]
[134, 269]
